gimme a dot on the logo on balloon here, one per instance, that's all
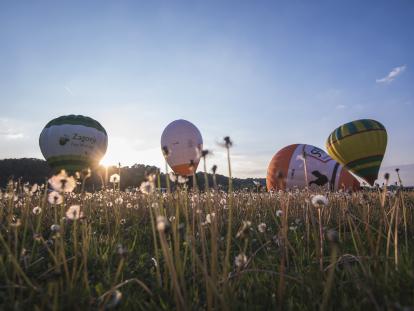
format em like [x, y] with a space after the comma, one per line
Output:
[320, 180]
[63, 140]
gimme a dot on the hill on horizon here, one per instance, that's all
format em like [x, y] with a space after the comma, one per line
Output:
[34, 170]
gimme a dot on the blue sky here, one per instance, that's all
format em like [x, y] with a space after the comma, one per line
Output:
[267, 73]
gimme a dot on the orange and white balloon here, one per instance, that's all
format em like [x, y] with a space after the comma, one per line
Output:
[181, 143]
[287, 170]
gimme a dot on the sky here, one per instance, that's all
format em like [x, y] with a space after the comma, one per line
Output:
[266, 73]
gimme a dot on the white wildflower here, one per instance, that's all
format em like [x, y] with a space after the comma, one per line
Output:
[121, 250]
[244, 229]
[37, 210]
[55, 228]
[147, 187]
[162, 223]
[114, 300]
[172, 177]
[319, 200]
[16, 223]
[182, 179]
[154, 261]
[34, 188]
[262, 227]
[55, 197]
[209, 217]
[62, 182]
[74, 212]
[114, 179]
[240, 260]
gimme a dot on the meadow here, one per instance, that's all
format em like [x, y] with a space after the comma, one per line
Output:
[189, 249]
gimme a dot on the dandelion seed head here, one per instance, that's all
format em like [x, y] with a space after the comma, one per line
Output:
[162, 223]
[114, 300]
[154, 261]
[121, 250]
[241, 260]
[74, 212]
[55, 228]
[62, 182]
[115, 178]
[55, 197]
[37, 210]
[34, 188]
[209, 217]
[227, 142]
[244, 229]
[262, 227]
[319, 200]
[147, 187]
[37, 237]
[172, 176]
[182, 179]
[16, 222]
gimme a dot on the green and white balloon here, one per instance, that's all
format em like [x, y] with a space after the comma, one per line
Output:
[73, 143]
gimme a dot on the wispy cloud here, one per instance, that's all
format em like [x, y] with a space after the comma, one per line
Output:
[69, 90]
[9, 130]
[11, 134]
[340, 106]
[394, 73]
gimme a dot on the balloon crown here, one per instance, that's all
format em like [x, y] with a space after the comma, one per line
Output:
[76, 120]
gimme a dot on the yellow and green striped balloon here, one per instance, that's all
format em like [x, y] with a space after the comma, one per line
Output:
[73, 143]
[359, 146]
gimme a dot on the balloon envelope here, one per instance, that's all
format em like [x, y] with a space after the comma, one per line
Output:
[359, 146]
[184, 142]
[287, 170]
[73, 142]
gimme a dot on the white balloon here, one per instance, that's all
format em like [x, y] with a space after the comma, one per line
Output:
[73, 142]
[184, 142]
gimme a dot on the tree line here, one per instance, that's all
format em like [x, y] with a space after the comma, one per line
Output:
[30, 170]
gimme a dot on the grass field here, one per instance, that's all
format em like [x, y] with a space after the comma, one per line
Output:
[205, 250]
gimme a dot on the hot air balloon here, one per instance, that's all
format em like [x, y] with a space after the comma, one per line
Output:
[287, 170]
[359, 146]
[181, 141]
[73, 143]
